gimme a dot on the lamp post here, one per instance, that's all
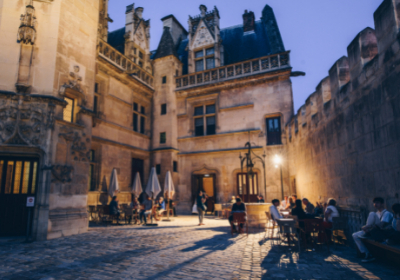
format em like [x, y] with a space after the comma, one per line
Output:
[278, 163]
[249, 159]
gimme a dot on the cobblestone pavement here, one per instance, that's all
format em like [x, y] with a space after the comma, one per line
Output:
[177, 250]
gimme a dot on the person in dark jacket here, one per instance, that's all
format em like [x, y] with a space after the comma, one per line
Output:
[298, 210]
[238, 207]
[114, 208]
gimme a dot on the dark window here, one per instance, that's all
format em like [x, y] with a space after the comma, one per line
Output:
[199, 126]
[175, 166]
[198, 111]
[158, 169]
[199, 65]
[91, 156]
[210, 51]
[135, 107]
[137, 167]
[142, 110]
[210, 125]
[95, 102]
[96, 88]
[163, 109]
[163, 138]
[135, 122]
[274, 131]
[142, 124]
[140, 55]
[198, 54]
[134, 50]
[210, 109]
[177, 73]
[140, 64]
[210, 63]
[91, 184]
[164, 79]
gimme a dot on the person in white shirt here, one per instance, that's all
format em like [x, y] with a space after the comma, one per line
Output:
[284, 203]
[376, 221]
[273, 210]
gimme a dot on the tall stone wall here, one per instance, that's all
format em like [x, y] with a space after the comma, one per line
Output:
[345, 141]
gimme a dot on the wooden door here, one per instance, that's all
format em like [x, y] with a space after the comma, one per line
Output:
[247, 187]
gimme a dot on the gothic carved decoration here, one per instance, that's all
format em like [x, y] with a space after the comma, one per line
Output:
[62, 173]
[27, 31]
[79, 143]
[203, 37]
[25, 123]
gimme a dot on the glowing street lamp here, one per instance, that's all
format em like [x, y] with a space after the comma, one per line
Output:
[278, 163]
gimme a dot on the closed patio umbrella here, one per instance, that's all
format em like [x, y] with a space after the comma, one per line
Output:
[137, 186]
[153, 186]
[113, 187]
[169, 190]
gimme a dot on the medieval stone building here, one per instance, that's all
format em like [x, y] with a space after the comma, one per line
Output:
[77, 101]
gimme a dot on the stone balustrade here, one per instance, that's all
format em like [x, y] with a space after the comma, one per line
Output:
[124, 63]
[234, 71]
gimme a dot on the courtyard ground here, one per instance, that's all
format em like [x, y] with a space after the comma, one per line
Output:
[178, 250]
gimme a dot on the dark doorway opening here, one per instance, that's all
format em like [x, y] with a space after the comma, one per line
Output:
[205, 183]
[18, 179]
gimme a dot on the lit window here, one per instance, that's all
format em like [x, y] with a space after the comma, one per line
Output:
[68, 112]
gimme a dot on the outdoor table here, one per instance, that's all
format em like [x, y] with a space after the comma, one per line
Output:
[285, 213]
[281, 225]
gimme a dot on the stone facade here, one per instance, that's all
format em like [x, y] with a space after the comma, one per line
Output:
[344, 141]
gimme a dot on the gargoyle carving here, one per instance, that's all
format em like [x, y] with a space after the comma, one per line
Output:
[62, 173]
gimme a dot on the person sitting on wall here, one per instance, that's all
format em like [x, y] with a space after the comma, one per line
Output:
[146, 208]
[238, 207]
[160, 208]
[114, 208]
[309, 207]
[284, 203]
[260, 199]
[273, 210]
[377, 224]
[394, 235]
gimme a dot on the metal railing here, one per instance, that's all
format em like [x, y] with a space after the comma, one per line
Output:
[124, 63]
[237, 70]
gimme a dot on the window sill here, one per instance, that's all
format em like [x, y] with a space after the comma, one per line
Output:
[72, 124]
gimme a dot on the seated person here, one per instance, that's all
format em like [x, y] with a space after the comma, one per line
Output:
[260, 199]
[284, 203]
[114, 208]
[146, 209]
[171, 205]
[319, 209]
[376, 223]
[291, 204]
[273, 210]
[238, 207]
[394, 236]
[309, 207]
[134, 205]
[160, 208]
[298, 210]
[233, 200]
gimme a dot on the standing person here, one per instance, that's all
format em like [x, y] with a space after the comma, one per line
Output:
[135, 207]
[238, 207]
[146, 209]
[376, 223]
[330, 213]
[201, 207]
[309, 207]
[284, 203]
[114, 208]
[260, 199]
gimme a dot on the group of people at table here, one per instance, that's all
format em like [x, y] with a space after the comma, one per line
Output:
[142, 207]
[382, 225]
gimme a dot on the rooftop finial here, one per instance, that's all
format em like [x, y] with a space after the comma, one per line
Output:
[203, 10]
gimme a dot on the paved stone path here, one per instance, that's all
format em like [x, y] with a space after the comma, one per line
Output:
[177, 250]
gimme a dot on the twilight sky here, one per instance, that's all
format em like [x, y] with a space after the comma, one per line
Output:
[317, 32]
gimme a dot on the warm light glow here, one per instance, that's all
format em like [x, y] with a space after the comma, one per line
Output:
[207, 175]
[277, 160]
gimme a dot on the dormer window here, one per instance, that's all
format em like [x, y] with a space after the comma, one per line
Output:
[204, 59]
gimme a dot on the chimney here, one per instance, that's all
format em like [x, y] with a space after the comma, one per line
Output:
[248, 21]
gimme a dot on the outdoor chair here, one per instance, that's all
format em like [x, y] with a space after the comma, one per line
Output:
[240, 218]
[339, 224]
[91, 210]
[218, 208]
[129, 212]
[288, 229]
[314, 228]
[270, 226]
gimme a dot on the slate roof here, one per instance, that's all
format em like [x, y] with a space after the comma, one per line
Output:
[166, 46]
[116, 39]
